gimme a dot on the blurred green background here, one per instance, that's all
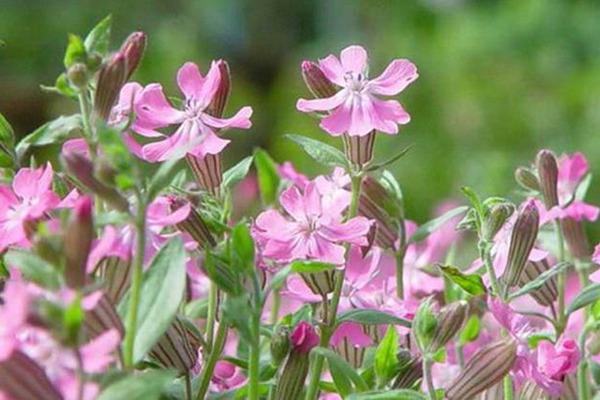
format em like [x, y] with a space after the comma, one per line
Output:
[498, 79]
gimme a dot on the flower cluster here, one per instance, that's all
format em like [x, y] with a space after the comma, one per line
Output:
[134, 265]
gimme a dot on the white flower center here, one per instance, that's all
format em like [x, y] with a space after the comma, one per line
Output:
[193, 108]
[355, 82]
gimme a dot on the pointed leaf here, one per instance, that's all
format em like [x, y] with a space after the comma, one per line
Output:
[56, 131]
[147, 386]
[470, 283]
[402, 153]
[386, 360]
[321, 152]
[587, 296]
[237, 173]
[98, 39]
[427, 228]
[399, 394]
[341, 367]
[268, 177]
[371, 317]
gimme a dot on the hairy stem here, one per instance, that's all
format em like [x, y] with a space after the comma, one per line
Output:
[582, 381]
[212, 316]
[428, 378]
[562, 281]
[209, 367]
[486, 256]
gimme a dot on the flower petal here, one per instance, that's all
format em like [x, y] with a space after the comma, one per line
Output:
[30, 182]
[292, 202]
[240, 120]
[153, 108]
[354, 59]
[210, 85]
[332, 69]
[190, 80]
[339, 121]
[396, 77]
[326, 104]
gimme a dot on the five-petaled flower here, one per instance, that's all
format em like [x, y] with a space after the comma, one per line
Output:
[355, 109]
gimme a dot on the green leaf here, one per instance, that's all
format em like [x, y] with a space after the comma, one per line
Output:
[34, 269]
[371, 317]
[321, 152]
[587, 296]
[119, 156]
[470, 283]
[402, 153]
[237, 312]
[386, 360]
[98, 39]
[196, 309]
[73, 319]
[341, 367]
[7, 135]
[242, 248]
[268, 177]
[471, 330]
[429, 227]
[398, 394]
[305, 266]
[540, 280]
[75, 51]
[56, 131]
[220, 272]
[163, 286]
[237, 173]
[474, 199]
[162, 178]
[147, 386]
[62, 87]
[279, 278]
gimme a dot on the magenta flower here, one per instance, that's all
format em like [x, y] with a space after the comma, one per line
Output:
[226, 376]
[30, 198]
[309, 230]
[556, 361]
[13, 315]
[304, 338]
[195, 131]
[355, 109]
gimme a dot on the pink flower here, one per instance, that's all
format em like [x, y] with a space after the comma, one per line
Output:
[227, 376]
[13, 315]
[309, 230]
[352, 334]
[195, 131]
[288, 172]
[556, 361]
[355, 109]
[30, 198]
[304, 337]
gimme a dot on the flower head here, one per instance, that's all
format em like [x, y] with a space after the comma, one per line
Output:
[355, 109]
[304, 338]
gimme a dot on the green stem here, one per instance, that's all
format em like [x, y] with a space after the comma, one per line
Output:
[211, 317]
[327, 332]
[582, 382]
[188, 387]
[136, 281]
[400, 268]
[275, 306]
[209, 367]
[428, 378]
[562, 281]
[254, 363]
[85, 108]
[508, 388]
[486, 256]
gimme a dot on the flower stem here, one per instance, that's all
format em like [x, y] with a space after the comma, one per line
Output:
[254, 363]
[582, 382]
[211, 317]
[209, 367]
[428, 378]
[562, 281]
[486, 256]
[188, 387]
[136, 281]
[508, 388]
[317, 366]
[85, 108]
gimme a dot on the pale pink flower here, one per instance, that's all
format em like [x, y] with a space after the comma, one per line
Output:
[30, 197]
[352, 333]
[556, 361]
[13, 315]
[355, 109]
[226, 376]
[195, 131]
[288, 172]
[308, 230]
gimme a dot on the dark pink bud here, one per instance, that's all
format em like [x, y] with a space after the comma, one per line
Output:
[304, 338]
[548, 177]
[111, 79]
[219, 101]
[78, 242]
[316, 81]
[133, 48]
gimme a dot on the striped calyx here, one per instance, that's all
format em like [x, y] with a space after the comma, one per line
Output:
[496, 216]
[523, 237]
[102, 317]
[378, 204]
[322, 282]
[193, 224]
[547, 169]
[450, 320]
[111, 79]
[576, 238]
[176, 348]
[410, 370]
[486, 368]
[359, 149]
[207, 170]
[548, 292]
[21, 378]
[527, 179]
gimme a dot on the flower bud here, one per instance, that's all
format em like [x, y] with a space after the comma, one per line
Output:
[111, 79]
[291, 382]
[280, 346]
[133, 49]
[219, 101]
[116, 274]
[548, 177]
[377, 204]
[321, 283]
[207, 170]
[23, 378]
[498, 214]
[78, 242]
[496, 392]
[105, 172]
[410, 370]
[548, 292]
[316, 81]
[78, 75]
[576, 238]
[523, 238]
[486, 368]
[530, 390]
[359, 149]
[102, 317]
[450, 320]
[174, 349]
[194, 225]
[527, 179]
[82, 169]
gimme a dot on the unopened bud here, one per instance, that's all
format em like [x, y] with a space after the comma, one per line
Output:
[486, 368]
[576, 238]
[174, 349]
[359, 149]
[410, 370]
[316, 81]
[78, 75]
[207, 170]
[548, 292]
[548, 177]
[116, 274]
[379, 205]
[78, 242]
[219, 101]
[23, 378]
[424, 324]
[102, 317]
[527, 179]
[522, 239]
[497, 216]
[82, 169]
[450, 320]
[321, 283]
[193, 224]
[530, 390]
[111, 79]
[280, 346]
[133, 49]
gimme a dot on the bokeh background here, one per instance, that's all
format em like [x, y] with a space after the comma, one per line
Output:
[498, 79]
